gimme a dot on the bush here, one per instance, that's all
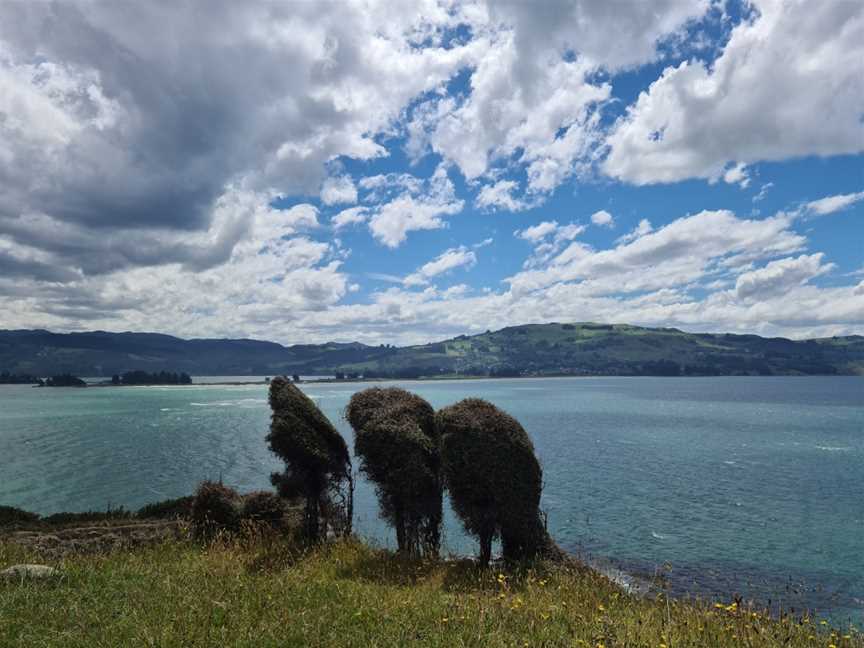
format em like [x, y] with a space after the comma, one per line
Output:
[317, 463]
[108, 515]
[264, 507]
[167, 509]
[494, 479]
[215, 508]
[397, 442]
[10, 515]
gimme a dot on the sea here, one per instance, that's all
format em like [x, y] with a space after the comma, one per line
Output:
[713, 487]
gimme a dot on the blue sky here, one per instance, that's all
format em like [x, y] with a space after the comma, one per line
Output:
[404, 173]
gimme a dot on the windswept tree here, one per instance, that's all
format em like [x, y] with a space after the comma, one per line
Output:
[494, 479]
[317, 463]
[397, 443]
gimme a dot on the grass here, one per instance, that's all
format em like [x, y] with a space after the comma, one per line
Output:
[269, 593]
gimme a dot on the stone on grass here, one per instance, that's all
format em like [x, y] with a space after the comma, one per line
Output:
[25, 572]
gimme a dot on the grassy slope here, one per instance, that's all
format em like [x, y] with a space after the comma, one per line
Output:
[620, 349]
[266, 594]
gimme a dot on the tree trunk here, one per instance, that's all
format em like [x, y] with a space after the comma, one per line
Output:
[485, 548]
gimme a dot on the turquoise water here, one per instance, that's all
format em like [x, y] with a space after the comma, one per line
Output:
[739, 485]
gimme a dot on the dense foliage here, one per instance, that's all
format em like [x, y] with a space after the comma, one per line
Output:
[10, 515]
[397, 443]
[494, 479]
[215, 508]
[317, 463]
[156, 378]
[63, 380]
[264, 507]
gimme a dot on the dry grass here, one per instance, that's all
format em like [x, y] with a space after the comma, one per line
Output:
[266, 592]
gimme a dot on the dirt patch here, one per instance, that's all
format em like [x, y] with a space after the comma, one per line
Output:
[102, 538]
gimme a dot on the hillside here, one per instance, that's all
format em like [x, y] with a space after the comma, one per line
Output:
[535, 349]
[271, 593]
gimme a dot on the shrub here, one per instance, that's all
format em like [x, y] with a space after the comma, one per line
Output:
[119, 513]
[167, 510]
[216, 507]
[317, 463]
[494, 479]
[10, 515]
[397, 442]
[264, 507]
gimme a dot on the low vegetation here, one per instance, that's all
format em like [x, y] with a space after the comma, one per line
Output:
[266, 592]
[139, 377]
[62, 380]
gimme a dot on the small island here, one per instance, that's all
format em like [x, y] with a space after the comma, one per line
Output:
[145, 378]
[62, 380]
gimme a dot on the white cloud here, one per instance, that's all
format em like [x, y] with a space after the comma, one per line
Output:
[832, 204]
[350, 216]
[789, 83]
[500, 196]
[460, 257]
[737, 174]
[644, 227]
[778, 277]
[683, 251]
[339, 190]
[603, 218]
[537, 232]
[391, 221]
[92, 140]
[763, 192]
[552, 127]
[548, 238]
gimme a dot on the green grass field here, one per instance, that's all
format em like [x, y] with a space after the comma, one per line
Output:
[268, 593]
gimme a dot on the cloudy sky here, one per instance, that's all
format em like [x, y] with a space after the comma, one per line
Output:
[404, 172]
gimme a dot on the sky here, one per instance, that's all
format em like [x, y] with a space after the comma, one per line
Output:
[406, 172]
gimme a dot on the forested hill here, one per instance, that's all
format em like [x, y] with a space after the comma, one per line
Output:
[535, 349]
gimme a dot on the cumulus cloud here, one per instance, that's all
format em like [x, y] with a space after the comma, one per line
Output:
[338, 190]
[832, 204]
[603, 218]
[500, 196]
[421, 206]
[777, 277]
[683, 251]
[538, 232]
[788, 83]
[460, 257]
[737, 174]
[144, 150]
[551, 128]
[548, 238]
[129, 118]
[644, 227]
[350, 216]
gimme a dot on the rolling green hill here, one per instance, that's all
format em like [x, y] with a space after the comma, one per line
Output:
[534, 349]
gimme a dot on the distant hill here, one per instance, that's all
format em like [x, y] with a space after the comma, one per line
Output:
[534, 349]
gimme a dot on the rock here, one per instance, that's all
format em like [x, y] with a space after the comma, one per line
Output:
[22, 572]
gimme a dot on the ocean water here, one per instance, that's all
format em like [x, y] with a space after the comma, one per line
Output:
[751, 486]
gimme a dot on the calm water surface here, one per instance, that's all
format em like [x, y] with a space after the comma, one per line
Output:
[748, 485]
